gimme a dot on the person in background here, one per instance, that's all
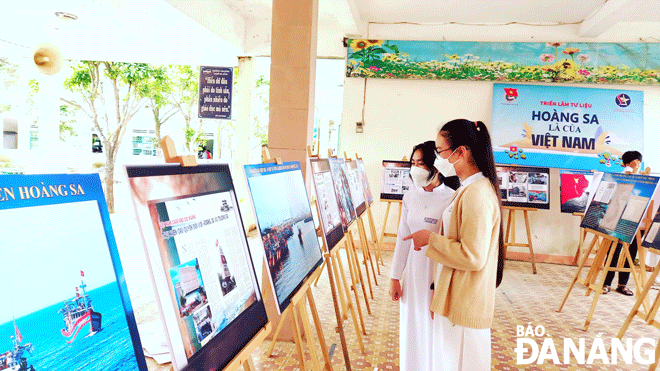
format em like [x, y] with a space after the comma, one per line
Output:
[631, 162]
[422, 208]
[469, 252]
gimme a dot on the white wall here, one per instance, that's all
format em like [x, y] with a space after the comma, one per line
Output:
[400, 113]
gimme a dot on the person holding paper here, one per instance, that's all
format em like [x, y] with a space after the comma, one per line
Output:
[469, 252]
[631, 162]
[422, 208]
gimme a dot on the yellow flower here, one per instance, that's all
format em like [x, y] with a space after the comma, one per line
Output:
[375, 42]
[530, 69]
[359, 44]
[650, 73]
[453, 56]
[571, 51]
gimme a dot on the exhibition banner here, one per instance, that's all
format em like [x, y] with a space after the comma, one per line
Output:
[619, 203]
[652, 238]
[565, 127]
[65, 304]
[576, 62]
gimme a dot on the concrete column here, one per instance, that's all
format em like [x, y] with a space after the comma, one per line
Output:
[292, 78]
[245, 82]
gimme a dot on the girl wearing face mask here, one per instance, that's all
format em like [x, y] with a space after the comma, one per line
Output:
[422, 208]
[469, 251]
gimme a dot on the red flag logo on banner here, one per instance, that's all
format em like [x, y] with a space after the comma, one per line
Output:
[82, 274]
[19, 337]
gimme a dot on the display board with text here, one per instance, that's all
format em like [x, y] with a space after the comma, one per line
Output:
[330, 211]
[619, 203]
[396, 179]
[203, 271]
[577, 188]
[524, 186]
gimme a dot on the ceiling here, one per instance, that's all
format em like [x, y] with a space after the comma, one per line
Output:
[216, 31]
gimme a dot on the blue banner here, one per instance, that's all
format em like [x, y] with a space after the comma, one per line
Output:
[565, 127]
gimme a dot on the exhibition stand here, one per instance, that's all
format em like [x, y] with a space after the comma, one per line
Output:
[510, 239]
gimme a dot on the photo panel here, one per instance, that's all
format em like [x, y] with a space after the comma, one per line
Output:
[619, 204]
[58, 226]
[343, 191]
[577, 188]
[652, 237]
[365, 181]
[522, 186]
[330, 211]
[198, 252]
[396, 179]
[357, 190]
[286, 225]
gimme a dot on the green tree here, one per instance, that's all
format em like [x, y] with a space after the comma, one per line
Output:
[185, 97]
[67, 119]
[109, 111]
[157, 91]
[263, 95]
[8, 81]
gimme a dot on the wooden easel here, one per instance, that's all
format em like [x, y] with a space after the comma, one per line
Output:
[298, 308]
[601, 263]
[366, 251]
[511, 231]
[244, 357]
[374, 236]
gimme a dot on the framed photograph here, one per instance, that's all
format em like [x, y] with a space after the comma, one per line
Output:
[365, 181]
[65, 305]
[286, 225]
[577, 188]
[652, 237]
[330, 212]
[396, 180]
[343, 191]
[523, 186]
[357, 189]
[203, 272]
[619, 203]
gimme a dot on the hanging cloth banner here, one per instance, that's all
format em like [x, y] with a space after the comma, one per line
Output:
[565, 127]
[593, 63]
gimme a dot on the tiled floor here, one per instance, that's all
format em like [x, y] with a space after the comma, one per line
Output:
[522, 299]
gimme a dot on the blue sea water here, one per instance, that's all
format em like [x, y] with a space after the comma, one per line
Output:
[109, 349]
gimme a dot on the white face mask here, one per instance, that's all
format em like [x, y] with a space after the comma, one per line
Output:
[443, 165]
[419, 176]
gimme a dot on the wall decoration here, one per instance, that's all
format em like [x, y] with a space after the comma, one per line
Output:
[577, 188]
[65, 304]
[327, 202]
[215, 92]
[593, 63]
[343, 191]
[565, 127]
[286, 225]
[619, 203]
[524, 186]
[203, 271]
[396, 179]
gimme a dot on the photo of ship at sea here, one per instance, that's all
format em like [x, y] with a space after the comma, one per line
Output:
[286, 224]
[62, 297]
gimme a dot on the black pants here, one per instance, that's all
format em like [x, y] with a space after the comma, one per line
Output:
[623, 276]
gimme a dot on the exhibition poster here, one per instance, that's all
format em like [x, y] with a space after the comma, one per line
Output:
[577, 188]
[327, 202]
[357, 190]
[343, 191]
[565, 127]
[619, 203]
[286, 225]
[396, 179]
[204, 274]
[65, 304]
[365, 181]
[524, 186]
[652, 238]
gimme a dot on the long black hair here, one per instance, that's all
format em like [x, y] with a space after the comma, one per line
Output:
[474, 135]
[428, 157]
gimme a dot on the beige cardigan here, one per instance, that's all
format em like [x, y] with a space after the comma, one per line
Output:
[465, 290]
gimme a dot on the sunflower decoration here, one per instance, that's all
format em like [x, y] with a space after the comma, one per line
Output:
[358, 45]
